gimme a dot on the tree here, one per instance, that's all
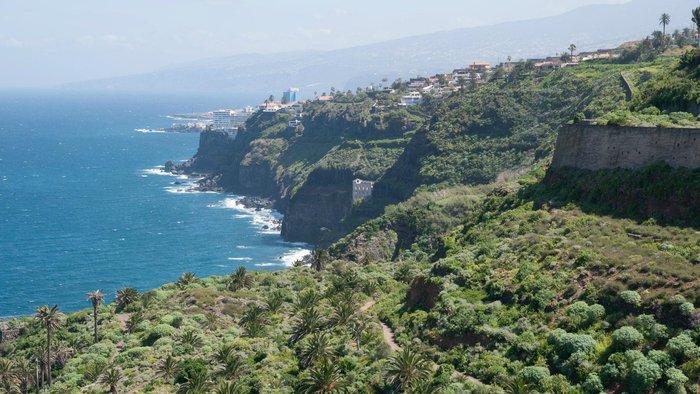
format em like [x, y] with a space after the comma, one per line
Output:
[254, 320]
[664, 20]
[126, 297]
[572, 48]
[319, 259]
[25, 370]
[186, 279]
[407, 368]
[9, 381]
[318, 346]
[239, 279]
[324, 378]
[229, 388]
[167, 367]
[696, 20]
[111, 377]
[50, 318]
[308, 321]
[96, 298]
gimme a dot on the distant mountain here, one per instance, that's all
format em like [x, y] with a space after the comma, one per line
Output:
[589, 27]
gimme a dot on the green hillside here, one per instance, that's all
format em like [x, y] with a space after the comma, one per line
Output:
[471, 270]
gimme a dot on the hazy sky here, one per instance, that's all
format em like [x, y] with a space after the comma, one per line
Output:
[46, 42]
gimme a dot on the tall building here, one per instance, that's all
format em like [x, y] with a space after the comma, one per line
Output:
[222, 119]
[290, 96]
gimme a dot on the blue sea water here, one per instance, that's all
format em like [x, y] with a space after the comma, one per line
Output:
[83, 206]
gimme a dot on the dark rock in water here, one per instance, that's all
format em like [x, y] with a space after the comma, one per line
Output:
[169, 166]
[257, 203]
[266, 227]
[207, 184]
[177, 183]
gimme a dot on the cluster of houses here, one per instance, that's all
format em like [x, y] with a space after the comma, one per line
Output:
[555, 62]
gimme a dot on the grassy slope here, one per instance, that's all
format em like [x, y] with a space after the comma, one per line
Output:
[478, 280]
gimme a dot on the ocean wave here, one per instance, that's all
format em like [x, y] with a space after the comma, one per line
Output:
[150, 131]
[293, 255]
[269, 265]
[239, 259]
[267, 220]
[243, 247]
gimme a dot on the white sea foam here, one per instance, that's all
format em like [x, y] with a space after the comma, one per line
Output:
[267, 220]
[239, 259]
[149, 131]
[268, 265]
[242, 247]
[293, 255]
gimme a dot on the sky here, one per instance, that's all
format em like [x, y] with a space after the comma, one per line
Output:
[47, 42]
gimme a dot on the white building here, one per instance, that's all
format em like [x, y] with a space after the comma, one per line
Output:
[413, 98]
[222, 119]
[361, 189]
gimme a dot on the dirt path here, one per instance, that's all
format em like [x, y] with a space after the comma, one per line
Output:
[386, 331]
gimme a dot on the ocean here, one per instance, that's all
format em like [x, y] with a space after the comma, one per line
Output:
[85, 206]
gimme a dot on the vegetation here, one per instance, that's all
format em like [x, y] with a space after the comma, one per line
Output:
[480, 271]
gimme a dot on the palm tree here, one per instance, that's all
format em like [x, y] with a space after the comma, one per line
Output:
[126, 297]
[407, 368]
[96, 298]
[307, 299]
[254, 320]
[275, 302]
[9, 381]
[197, 383]
[239, 279]
[664, 20]
[233, 366]
[696, 20]
[111, 377]
[50, 318]
[317, 347]
[343, 310]
[229, 388]
[135, 319]
[319, 259]
[186, 279]
[191, 339]
[324, 378]
[358, 328]
[24, 370]
[167, 367]
[572, 48]
[308, 321]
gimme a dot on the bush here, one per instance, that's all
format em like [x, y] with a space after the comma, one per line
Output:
[565, 344]
[631, 297]
[592, 384]
[157, 332]
[682, 347]
[643, 376]
[676, 380]
[535, 376]
[189, 368]
[626, 338]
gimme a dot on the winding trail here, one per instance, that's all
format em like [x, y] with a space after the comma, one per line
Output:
[386, 331]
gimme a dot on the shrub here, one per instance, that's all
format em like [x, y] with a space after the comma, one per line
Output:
[592, 384]
[565, 344]
[631, 297]
[643, 376]
[535, 376]
[626, 338]
[686, 309]
[157, 332]
[682, 347]
[190, 368]
[662, 358]
[676, 380]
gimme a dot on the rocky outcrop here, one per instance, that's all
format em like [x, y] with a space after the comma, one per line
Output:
[315, 212]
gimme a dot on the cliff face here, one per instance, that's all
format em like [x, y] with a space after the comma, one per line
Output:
[317, 209]
[590, 147]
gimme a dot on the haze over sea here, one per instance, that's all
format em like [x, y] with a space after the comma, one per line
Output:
[83, 207]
